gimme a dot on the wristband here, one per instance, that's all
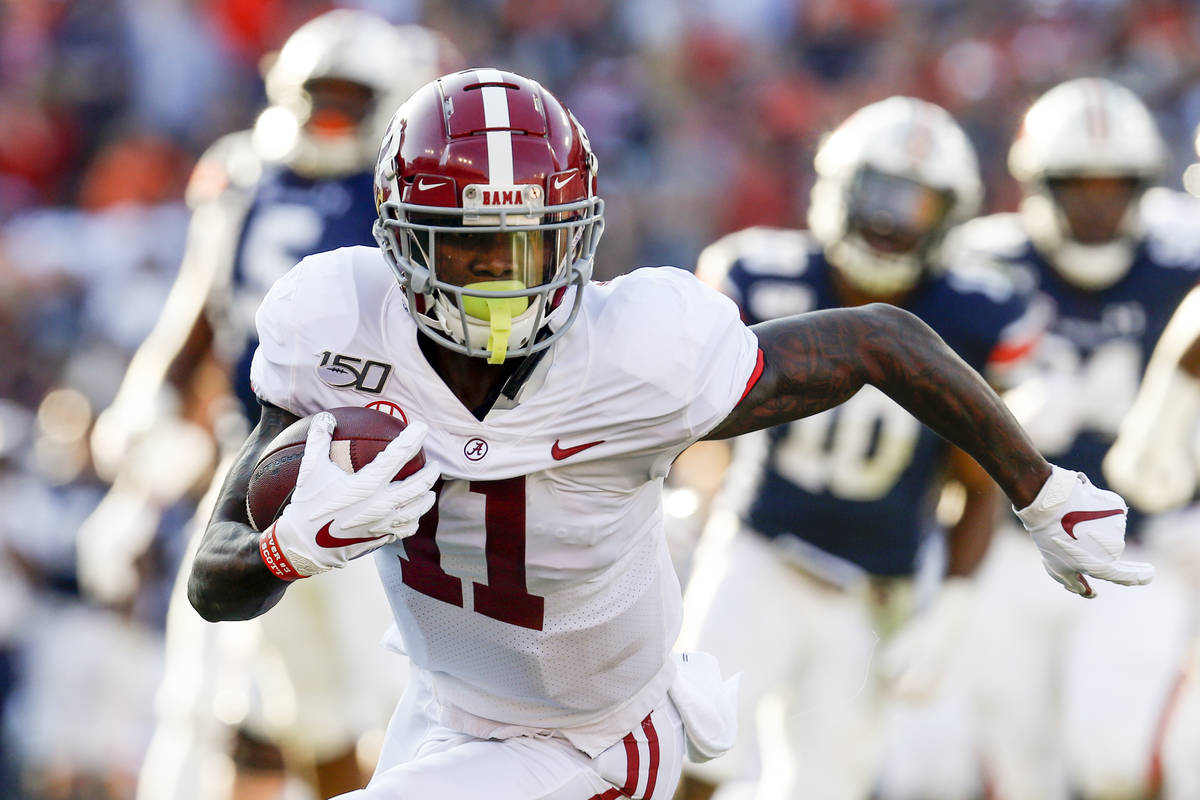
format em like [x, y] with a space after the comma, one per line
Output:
[273, 557]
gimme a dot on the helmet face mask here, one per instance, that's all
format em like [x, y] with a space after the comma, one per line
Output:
[1093, 208]
[336, 106]
[487, 230]
[894, 214]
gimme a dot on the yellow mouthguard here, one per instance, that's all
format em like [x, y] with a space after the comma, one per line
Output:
[499, 311]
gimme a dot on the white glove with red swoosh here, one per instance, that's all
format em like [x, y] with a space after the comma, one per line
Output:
[336, 516]
[1080, 531]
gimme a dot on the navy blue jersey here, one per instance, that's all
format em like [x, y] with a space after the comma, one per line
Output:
[291, 217]
[1088, 366]
[859, 481]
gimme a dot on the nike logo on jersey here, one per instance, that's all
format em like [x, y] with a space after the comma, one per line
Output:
[563, 181]
[1069, 521]
[423, 185]
[328, 540]
[558, 452]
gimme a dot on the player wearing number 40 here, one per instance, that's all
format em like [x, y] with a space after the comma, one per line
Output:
[526, 564]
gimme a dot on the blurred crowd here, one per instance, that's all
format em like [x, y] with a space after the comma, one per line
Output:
[704, 115]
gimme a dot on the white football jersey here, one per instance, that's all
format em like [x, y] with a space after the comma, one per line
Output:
[538, 591]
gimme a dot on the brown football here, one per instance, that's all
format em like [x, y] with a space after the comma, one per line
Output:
[360, 434]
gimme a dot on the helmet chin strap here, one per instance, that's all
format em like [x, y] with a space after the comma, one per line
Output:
[315, 157]
[1088, 266]
[868, 270]
[1093, 267]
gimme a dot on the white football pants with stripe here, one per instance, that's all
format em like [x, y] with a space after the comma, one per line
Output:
[423, 759]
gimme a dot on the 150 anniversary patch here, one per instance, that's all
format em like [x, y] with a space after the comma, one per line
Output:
[351, 372]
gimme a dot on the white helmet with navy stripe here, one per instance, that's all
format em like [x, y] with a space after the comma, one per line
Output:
[891, 180]
[1087, 128]
[488, 213]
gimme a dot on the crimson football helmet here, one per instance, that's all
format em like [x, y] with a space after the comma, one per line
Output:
[488, 213]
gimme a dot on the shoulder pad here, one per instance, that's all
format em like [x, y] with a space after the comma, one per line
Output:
[981, 277]
[994, 237]
[657, 303]
[700, 359]
[1169, 221]
[229, 164]
[322, 297]
[761, 250]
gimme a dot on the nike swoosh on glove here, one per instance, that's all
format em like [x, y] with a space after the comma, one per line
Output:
[336, 516]
[1080, 531]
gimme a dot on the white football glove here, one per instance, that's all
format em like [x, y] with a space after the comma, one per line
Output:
[1080, 531]
[336, 516]
[915, 659]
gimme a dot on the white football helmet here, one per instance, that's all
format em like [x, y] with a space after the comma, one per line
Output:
[333, 85]
[1087, 128]
[891, 180]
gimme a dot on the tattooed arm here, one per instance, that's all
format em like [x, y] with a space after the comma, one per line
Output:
[815, 361]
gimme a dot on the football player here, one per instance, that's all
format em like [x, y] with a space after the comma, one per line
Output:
[526, 563]
[1154, 459]
[299, 182]
[830, 516]
[1114, 257]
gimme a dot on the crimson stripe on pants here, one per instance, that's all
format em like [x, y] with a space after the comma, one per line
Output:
[631, 761]
[611, 794]
[652, 769]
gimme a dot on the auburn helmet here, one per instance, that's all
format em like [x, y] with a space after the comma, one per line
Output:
[333, 86]
[1087, 136]
[891, 180]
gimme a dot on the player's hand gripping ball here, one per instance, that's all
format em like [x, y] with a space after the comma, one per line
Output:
[359, 436]
[356, 482]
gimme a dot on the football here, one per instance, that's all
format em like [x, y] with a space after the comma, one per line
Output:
[360, 434]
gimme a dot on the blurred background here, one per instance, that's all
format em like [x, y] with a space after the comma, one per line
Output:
[704, 115]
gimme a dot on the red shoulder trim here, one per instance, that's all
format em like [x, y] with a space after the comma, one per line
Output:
[754, 376]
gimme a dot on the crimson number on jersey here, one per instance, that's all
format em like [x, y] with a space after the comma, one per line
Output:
[504, 597]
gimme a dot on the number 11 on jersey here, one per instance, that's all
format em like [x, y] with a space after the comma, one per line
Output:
[504, 597]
